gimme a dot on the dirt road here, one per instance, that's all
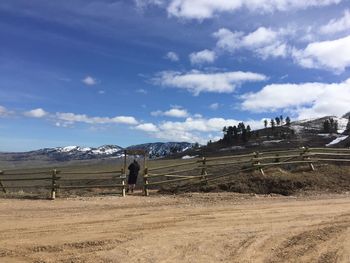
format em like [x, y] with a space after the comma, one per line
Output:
[189, 228]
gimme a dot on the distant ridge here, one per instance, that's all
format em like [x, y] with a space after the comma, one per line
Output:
[69, 153]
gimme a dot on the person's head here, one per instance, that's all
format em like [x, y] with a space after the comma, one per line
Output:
[135, 161]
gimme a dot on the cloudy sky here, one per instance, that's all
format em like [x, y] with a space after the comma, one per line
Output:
[93, 72]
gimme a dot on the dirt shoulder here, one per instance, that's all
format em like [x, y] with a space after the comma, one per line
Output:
[193, 227]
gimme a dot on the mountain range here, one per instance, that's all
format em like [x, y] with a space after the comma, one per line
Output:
[69, 153]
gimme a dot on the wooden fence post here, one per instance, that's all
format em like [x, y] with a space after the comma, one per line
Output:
[53, 186]
[2, 186]
[307, 150]
[145, 178]
[204, 170]
[277, 160]
[256, 155]
[123, 177]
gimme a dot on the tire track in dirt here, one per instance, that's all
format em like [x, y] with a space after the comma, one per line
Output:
[307, 245]
[256, 230]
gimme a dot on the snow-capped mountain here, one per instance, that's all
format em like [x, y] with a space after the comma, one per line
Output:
[69, 153]
[102, 150]
[159, 149]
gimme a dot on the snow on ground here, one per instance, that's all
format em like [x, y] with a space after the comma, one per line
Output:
[342, 123]
[232, 148]
[187, 157]
[68, 148]
[305, 120]
[327, 135]
[272, 141]
[84, 149]
[337, 140]
[297, 128]
[105, 151]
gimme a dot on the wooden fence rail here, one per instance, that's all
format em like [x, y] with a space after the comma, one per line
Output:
[198, 171]
[56, 182]
[248, 162]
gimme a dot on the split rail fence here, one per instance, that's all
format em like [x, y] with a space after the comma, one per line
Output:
[194, 171]
[205, 170]
[55, 180]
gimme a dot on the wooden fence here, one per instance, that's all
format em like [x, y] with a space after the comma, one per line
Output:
[203, 170]
[194, 171]
[54, 180]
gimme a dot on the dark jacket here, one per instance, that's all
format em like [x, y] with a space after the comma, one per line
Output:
[134, 169]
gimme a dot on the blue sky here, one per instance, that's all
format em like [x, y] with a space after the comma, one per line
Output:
[93, 72]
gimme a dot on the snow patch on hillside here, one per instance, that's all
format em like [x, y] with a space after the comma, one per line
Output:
[342, 123]
[297, 128]
[337, 140]
[271, 141]
[187, 157]
[67, 149]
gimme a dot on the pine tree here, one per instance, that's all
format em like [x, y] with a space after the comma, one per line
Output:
[241, 127]
[326, 126]
[272, 123]
[266, 123]
[249, 131]
[278, 121]
[235, 132]
[288, 121]
[230, 134]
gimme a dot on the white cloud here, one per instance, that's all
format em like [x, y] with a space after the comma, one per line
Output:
[175, 112]
[214, 106]
[197, 81]
[90, 81]
[337, 25]
[201, 57]
[125, 120]
[141, 4]
[3, 111]
[265, 42]
[333, 55]
[202, 9]
[228, 40]
[274, 50]
[172, 56]
[260, 37]
[83, 118]
[195, 129]
[147, 127]
[305, 100]
[36, 113]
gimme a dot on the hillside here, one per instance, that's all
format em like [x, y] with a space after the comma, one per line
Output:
[307, 133]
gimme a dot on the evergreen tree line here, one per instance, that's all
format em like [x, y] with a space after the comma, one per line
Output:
[243, 132]
[236, 133]
[330, 126]
[277, 121]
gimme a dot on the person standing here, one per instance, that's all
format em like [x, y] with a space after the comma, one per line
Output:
[134, 169]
